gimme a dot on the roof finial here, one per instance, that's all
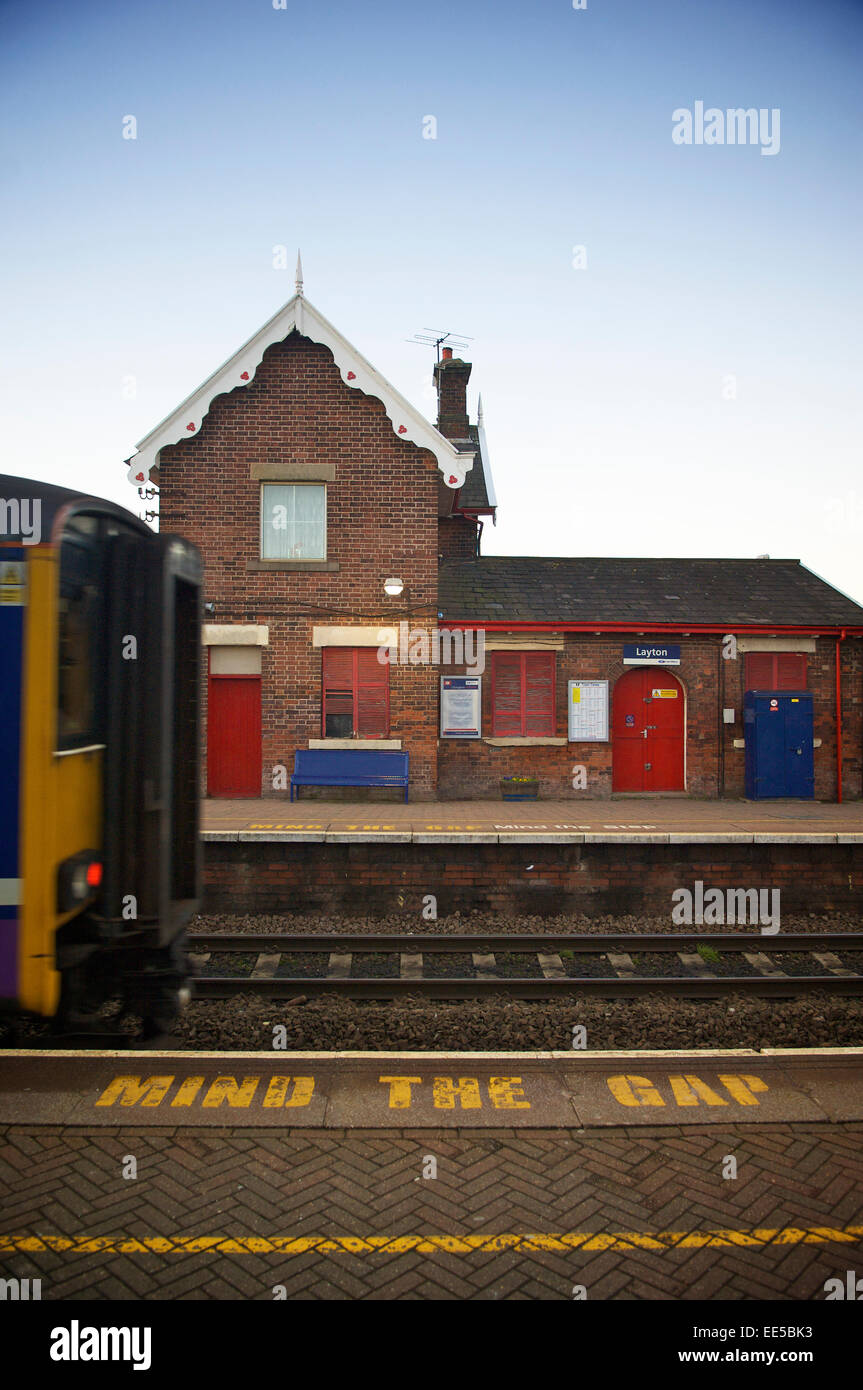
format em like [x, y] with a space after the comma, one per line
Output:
[479, 410]
[299, 277]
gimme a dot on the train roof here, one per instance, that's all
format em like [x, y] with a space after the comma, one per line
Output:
[18, 497]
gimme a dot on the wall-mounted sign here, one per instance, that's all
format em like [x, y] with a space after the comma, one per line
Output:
[460, 706]
[650, 654]
[12, 582]
[587, 704]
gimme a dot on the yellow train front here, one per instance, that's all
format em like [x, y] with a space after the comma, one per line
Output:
[99, 736]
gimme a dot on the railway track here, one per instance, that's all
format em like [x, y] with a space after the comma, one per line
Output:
[702, 965]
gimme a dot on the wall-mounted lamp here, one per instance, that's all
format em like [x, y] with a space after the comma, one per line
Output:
[209, 608]
[393, 587]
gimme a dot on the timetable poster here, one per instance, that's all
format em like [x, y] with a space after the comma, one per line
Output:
[460, 706]
[588, 711]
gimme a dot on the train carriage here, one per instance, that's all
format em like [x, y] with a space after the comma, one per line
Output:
[99, 733]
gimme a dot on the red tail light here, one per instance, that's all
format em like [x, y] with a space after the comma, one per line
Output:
[78, 879]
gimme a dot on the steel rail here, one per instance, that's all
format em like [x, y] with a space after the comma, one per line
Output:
[250, 944]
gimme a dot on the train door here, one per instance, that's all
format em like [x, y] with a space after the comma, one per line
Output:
[234, 722]
[648, 731]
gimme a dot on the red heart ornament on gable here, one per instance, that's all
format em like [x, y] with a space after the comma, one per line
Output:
[403, 429]
[452, 479]
[139, 477]
[352, 376]
[244, 376]
[190, 427]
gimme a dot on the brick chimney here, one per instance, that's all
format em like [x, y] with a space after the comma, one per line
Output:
[451, 377]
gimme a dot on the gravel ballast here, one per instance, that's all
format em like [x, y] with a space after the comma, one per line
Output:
[496, 924]
[328, 1022]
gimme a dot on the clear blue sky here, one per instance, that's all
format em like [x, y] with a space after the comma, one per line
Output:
[603, 386]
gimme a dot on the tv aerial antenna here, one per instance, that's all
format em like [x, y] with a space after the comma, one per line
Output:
[437, 337]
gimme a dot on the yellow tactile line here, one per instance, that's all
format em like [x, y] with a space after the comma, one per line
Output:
[451, 1245]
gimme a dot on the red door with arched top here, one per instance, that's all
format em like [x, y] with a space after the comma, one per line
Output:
[648, 732]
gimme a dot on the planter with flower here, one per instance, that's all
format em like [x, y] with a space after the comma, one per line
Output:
[519, 788]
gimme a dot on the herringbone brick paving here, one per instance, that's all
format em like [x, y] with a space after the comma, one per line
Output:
[369, 1183]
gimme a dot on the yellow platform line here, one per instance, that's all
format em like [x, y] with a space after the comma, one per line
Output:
[428, 1244]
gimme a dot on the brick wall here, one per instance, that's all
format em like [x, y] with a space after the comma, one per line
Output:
[457, 538]
[381, 520]
[473, 769]
[591, 879]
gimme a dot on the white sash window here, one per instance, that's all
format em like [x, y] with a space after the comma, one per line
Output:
[293, 521]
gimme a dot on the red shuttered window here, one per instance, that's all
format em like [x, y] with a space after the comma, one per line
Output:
[507, 708]
[356, 693]
[775, 671]
[522, 694]
[790, 671]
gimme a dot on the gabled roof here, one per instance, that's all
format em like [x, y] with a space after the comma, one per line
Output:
[730, 593]
[300, 316]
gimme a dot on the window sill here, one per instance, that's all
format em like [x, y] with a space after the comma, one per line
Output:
[387, 745]
[525, 742]
[329, 565]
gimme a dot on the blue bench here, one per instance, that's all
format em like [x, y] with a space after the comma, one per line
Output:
[348, 767]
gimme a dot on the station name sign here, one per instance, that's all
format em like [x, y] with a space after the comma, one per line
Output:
[650, 654]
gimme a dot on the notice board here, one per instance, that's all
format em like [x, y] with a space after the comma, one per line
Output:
[587, 703]
[460, 706]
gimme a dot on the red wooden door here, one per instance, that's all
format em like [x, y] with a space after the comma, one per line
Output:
[234, 736]
[648, 730]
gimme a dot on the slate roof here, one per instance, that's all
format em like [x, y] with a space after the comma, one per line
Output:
[727, 592]
[474, 495]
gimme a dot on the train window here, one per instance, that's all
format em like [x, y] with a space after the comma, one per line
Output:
[79, 664]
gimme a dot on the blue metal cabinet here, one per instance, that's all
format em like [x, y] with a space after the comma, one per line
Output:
[777, 725]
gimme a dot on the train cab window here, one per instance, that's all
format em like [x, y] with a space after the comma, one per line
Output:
[79, 665]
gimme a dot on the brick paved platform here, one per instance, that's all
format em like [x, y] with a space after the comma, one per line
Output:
[650, 820]
[701, 1198]
[528, 1215]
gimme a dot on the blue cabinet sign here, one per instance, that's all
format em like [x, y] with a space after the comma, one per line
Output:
[650, 654]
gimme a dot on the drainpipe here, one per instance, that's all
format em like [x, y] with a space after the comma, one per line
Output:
[720, 685]
[474, 516]
[839, 717]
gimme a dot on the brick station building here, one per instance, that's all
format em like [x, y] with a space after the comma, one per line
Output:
[308, 482]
